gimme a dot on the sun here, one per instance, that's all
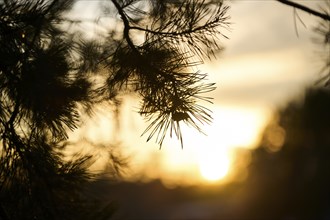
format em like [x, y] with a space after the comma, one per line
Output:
[214, 165]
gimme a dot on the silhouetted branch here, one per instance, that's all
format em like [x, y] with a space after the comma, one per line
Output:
[306, 9]
[163, 66]
[126, 25]
[175, 33]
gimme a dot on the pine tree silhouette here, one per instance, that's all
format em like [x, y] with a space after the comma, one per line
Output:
[46, 84]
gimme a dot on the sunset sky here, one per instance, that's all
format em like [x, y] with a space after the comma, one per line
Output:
[264, 65]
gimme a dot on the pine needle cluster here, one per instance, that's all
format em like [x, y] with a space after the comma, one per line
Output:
[163, 69]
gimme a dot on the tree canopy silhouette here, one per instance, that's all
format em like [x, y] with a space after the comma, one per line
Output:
[47, 82]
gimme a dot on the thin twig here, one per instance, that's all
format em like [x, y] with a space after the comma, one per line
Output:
[306, 9]
[127, 26]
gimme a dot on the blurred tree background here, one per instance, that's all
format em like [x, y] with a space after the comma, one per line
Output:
[289, 172]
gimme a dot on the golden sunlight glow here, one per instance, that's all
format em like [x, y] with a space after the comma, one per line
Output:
[252, 79]
[203, 159]
[209, 157]
[214, 165]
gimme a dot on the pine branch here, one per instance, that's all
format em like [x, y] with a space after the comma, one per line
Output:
[164, 66]
[127, 26]
[306, 9]
[173, 33]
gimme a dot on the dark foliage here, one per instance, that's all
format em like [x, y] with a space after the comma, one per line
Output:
[50, 76]
[292, 181]
[39, 96]
[322, 38]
